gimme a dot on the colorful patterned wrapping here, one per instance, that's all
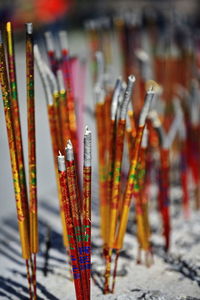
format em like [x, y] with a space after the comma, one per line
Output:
[141, 204]
[15, 111]
[64, 119]
[129, 190]
[71, 235]
[86, 207]
[120, 133]
[87, 218]
[57, 119]
[80, 235]
[110, 169]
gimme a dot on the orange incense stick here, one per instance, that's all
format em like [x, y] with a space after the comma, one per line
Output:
[163, 196]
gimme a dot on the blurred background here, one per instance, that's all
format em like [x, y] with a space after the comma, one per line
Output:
[73, 13]
[164, 29]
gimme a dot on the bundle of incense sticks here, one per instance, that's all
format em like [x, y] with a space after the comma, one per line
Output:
[26, 212]
[113, 208]
[57, 82]
[77, 216]
[114, 202]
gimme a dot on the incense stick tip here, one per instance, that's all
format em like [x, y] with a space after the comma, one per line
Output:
[119, 78]
[69, 151]
[29, 28]
[87, 131]
[69, 145]
[8, 26]
[87, 147]
[61, 162]
[151, 90]
[132, 78]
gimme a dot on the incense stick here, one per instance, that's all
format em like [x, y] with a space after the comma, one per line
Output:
[31, 149]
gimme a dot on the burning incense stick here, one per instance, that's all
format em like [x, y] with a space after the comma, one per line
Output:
[80, 236]
[21, 203]
[87, 169]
